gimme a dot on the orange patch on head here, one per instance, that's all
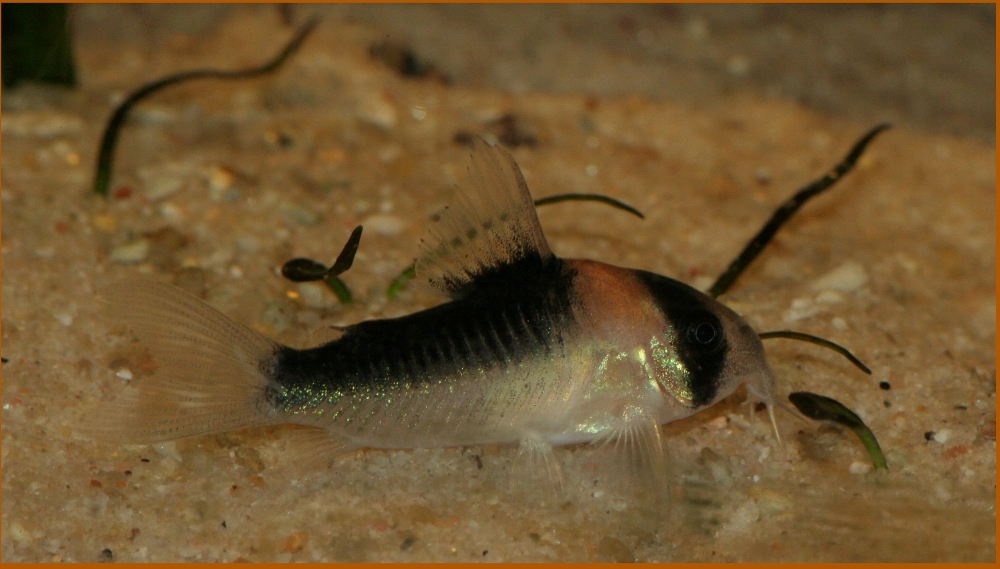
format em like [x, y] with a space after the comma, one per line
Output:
[609, 294]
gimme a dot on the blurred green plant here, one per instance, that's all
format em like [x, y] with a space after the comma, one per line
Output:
[36, 44]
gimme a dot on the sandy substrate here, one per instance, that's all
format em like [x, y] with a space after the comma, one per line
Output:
[217, 184]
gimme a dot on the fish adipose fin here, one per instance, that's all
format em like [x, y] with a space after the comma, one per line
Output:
[211, 373]
[489, 236]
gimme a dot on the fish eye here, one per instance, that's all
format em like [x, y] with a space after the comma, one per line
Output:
[704, 334]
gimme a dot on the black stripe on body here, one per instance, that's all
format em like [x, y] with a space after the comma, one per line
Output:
[700, 339]
[493, 328]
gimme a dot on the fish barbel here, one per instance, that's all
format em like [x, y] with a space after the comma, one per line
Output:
[531, 349]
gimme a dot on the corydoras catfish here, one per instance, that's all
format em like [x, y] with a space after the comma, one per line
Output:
[531, 349]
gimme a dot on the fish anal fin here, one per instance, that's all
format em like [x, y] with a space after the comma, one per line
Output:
[314, 448]
[489, 236]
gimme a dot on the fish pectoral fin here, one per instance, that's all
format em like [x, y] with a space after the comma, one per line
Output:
[536, 472]
[313, 448]
[489, 236]
[635, 453]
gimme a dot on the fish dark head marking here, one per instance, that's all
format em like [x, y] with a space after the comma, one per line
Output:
[707, 349]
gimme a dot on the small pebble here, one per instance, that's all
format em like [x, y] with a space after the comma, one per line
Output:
[769, 502]
[720, 422]
[168, 450]
[884, 385]
[134, 252]
[296, 542]
[315, 295]
[124, 373]
[105, 223]
[384, 224]
[744, 517]
[376, 110]
[848, 277]
[839, 324]
[161, 185]
[172, 212]
[801, 309]
[858, 467]
[829, 297]
[64, 318]
[219, 178]
[19, 534]
[941, 436]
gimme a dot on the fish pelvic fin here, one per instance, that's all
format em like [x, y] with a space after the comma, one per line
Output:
[536, 475]
[636, 456]
[489, 237]
[211, 374]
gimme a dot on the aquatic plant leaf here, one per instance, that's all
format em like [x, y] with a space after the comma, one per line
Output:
[822, 408]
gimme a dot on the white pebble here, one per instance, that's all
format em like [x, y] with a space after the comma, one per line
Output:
[858, 467]
[746, 515]
[839, 324]
[942, 436]
[163, 180]
[829, 297]
[848, 277]
[124, 373]
[133, 252]
[160, 188]
[314, 295]
[20, 535]
[801, 309]
[764, 453]
[720, 422]
[384, 224]
[172, 212]
[64, 318]
[168, 450]
[375, 109]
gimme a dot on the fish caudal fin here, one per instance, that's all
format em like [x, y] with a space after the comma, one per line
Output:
[211, 373]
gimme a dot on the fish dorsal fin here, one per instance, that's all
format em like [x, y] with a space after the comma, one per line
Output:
[489, 235]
